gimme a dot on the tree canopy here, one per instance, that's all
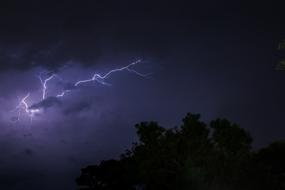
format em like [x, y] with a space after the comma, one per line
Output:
[196, 156]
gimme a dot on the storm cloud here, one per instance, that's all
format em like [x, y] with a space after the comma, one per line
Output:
[213, 58]
[46, 103]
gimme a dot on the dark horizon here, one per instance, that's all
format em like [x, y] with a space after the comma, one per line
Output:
[217, 59]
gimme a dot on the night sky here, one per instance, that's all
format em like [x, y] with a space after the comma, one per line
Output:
[216, 58]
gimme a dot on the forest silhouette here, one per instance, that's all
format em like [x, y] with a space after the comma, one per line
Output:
[196, 155]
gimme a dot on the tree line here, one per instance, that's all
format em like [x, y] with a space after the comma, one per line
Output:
[196, 155]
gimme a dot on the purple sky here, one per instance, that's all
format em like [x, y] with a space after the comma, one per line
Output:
[212, 58]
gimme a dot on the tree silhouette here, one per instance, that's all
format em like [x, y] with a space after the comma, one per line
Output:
[193, 156]
[281, 64]
[270, 166]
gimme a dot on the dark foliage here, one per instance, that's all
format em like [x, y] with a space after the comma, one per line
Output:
[194, 156]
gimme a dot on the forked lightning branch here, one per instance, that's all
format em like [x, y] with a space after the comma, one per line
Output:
[30, 111]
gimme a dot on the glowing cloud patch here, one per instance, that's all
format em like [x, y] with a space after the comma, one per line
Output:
[48, 101]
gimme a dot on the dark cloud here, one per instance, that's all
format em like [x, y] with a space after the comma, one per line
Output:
[51, 57]
[46, 103]
[28, 152]
[77, 108]
[10, 180]
[16, 179]
[68, 86]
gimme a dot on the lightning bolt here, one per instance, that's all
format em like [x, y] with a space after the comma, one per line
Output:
[44, 85]
[95, 78]
[23, 105]
[100, 78]
[62, 93]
